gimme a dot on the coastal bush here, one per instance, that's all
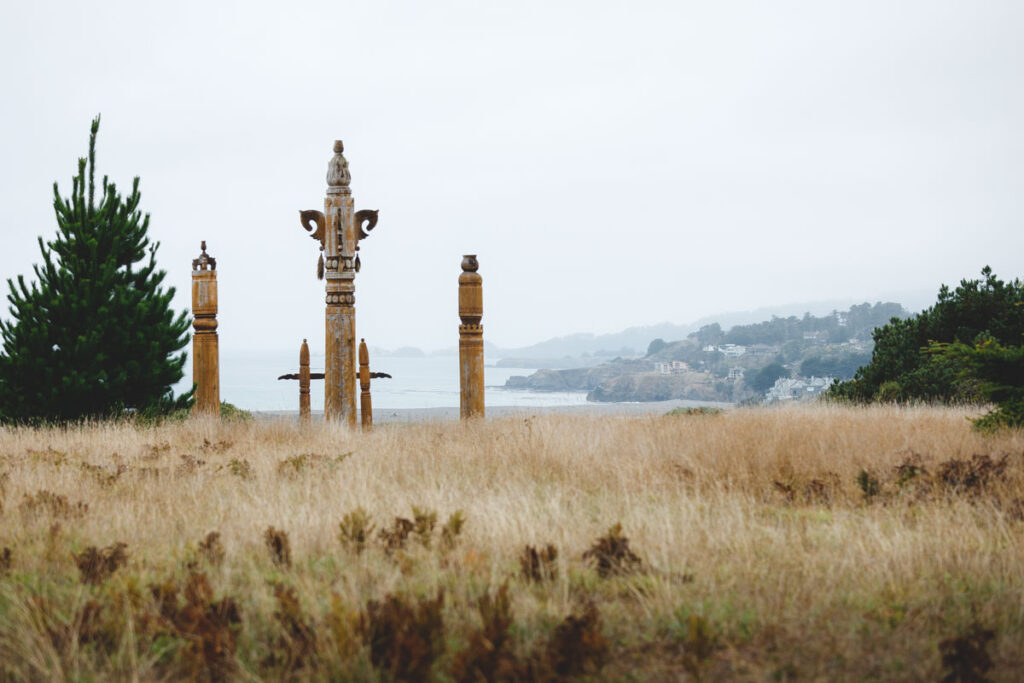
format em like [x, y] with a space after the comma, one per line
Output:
[902, 368]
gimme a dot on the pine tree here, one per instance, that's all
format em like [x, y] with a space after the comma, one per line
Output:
[95, 336]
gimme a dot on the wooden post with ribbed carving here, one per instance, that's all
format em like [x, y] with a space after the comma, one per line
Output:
[365, 405]
[305, 415]
[339, 228]
[205, 352]
[471, 339]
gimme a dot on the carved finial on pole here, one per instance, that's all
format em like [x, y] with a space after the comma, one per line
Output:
[205, 352]
[337, 170]
[471, 339]
[305, 416]
[365, 405]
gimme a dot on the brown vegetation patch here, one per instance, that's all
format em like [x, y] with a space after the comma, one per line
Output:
[971, 477]
[489, 656]
[280, 548]
[965, 657]
[814, 491]
[98, 564]
[405, 637]
[539, 565]
[395, 537]
[105, 476]
[241, 468]
[208, 628]
[54, 504]
[297, 646]
[216, 446]
[611, 554]
[355, 530]
[452, 529]
[577, 646]
[305, 462]
[189, 464]
[212, 549]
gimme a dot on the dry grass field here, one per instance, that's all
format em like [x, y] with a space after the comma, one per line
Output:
[819, 543]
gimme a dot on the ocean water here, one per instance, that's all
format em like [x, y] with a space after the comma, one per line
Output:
[250, 381]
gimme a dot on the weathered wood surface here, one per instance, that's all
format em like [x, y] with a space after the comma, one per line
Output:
[205, 344]
[338, 229]
[471, 340]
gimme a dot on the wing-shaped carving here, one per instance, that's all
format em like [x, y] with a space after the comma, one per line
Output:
[313, 222]
[365, 216]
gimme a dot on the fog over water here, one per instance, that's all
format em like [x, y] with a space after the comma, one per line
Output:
[612, 164]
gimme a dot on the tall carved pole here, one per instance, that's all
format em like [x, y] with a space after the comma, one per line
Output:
[205, 352]
[305, 416]
[471, 340]
[365, 405]
[339, 229]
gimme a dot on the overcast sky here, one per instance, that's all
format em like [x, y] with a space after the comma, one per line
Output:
[612, 164]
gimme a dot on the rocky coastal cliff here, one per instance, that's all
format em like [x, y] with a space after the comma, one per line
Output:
[628, 380]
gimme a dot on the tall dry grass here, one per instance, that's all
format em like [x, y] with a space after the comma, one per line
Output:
[771, 543]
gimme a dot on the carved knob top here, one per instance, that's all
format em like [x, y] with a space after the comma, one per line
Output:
[205, 261]
[337, 168]
[470, 264]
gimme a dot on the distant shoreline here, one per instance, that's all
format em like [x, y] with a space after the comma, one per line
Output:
[384, 415]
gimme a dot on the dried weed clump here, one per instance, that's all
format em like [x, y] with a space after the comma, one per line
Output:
[97, 565]
[421, 527]
[355, 530]
[965, 658]
[405, 636]
[296, 465]
[241, 468]
[279, 546]
[612, 556]
[55, 505]
[980, 477]
[206, 630]
[211, 549]
[577, 646]
[539, 565]
[297, 646]
[489, 655]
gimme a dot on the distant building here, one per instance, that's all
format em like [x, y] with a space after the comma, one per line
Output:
[732, 350]
[762, 350]
[735, 373]
[798, 389]
[671, 367]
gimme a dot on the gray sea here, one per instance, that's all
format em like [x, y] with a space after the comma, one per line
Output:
[250, 381]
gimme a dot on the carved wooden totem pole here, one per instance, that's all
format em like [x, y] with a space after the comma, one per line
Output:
[338, 229]
[471, 340]
[365, 405]
[305, 415]
[205, 353]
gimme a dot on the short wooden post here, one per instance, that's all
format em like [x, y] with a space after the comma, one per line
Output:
[365, 406]
[471, 340]
[305, 416]
[205, 353]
